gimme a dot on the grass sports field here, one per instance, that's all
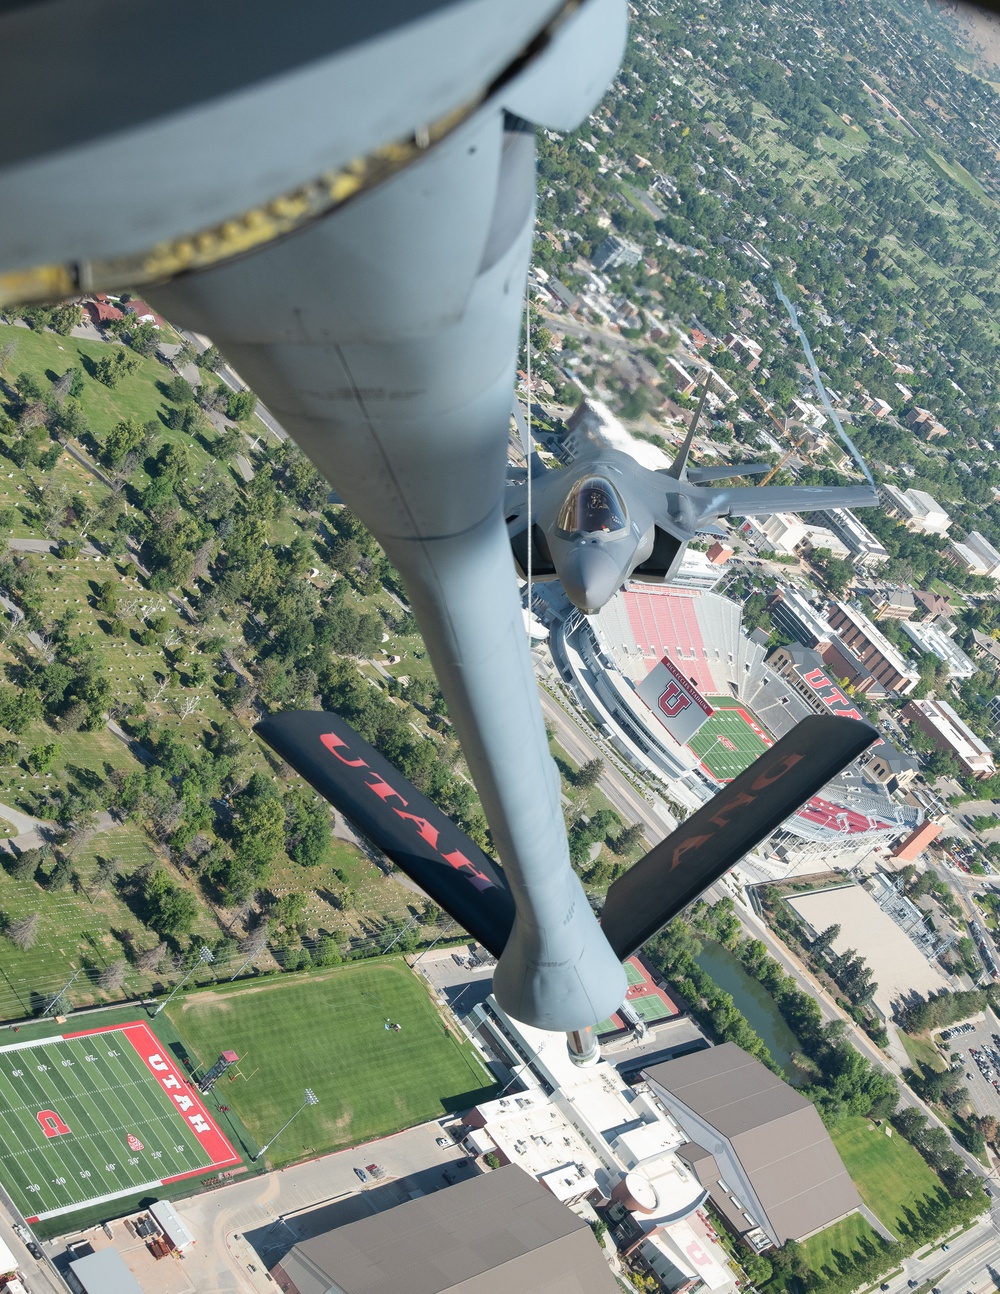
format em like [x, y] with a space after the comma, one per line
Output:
[89, 1117]
[730, 740]
[889, 1174]
[821, 1251]
[328, 1032]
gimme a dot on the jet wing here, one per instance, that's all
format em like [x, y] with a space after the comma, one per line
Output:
[762, 500]
[698, 475]
[678, 869]
[421, 840]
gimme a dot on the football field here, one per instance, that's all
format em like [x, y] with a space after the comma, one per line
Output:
[89, 1117]
[730, 740]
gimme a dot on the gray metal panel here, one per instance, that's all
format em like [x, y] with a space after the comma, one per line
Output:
[778, 1138]
[498, 1232]
[105, 1272]
[799, 1177]
[730, 1089]
[217, 145]
[410, 422]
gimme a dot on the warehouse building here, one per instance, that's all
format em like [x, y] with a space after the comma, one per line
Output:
[497, 1232]
[757, 1146]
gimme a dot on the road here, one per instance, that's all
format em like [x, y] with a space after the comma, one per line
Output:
[628, 802]
[961, 1268]
[233, 380]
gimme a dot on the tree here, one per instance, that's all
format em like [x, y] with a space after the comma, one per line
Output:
[24, 931]
[589, 774]
[256, 941]
[170, 910]
[228, 443]
[150, 959]
[209, 359]
[241, 405]
[60, 875]
[307, 829]
[143, 337]
[41, 759]
[26, 864]
[758, 1268]
[113, 976]
[111, 368]
[106, 873]
[65, 318]
[631, 838]
[180, 390]
[71, 383]
[824, 939]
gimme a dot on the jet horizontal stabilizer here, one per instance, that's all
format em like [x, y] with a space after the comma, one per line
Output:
[712, 840]
[411, 831]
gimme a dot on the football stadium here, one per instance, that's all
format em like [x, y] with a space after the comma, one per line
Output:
[660, 642]
[94, 1116]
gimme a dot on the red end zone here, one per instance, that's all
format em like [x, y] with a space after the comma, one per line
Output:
[181, 1091]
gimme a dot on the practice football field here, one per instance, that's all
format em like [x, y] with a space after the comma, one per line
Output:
[93, 1116]
[328, 1032]
[730, 740]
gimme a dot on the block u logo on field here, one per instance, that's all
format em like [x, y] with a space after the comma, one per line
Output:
[52, 1124]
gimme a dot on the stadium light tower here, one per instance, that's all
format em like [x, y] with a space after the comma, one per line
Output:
[205, 956]
[310, 1099]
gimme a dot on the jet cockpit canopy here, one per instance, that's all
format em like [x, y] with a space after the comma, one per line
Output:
[592, 506]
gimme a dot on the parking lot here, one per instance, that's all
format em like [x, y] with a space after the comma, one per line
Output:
[980, 1074]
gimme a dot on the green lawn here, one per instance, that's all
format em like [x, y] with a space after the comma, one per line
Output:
[889, 1174]
[921, 1050]
[821, 1251]
[328, 1032]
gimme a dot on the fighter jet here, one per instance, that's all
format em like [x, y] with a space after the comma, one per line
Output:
[606, 518]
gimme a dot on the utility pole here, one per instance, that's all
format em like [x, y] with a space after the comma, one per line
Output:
[65, 989]
[204, 957]
[310, 1099]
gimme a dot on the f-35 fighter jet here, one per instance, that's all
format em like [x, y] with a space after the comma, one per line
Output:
[606, 518]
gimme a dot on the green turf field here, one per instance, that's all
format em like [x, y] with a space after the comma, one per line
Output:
[889, 1174]
[842, 1239]
[328, 1032]
[90, 1118]
[726, 743]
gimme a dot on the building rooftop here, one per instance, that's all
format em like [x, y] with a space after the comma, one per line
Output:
[959, 736]
[104, 1272]
[497, 1232]
[878, 639]
[932, 638]
[785, 1152]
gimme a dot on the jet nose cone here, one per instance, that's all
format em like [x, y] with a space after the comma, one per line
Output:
[590, 577]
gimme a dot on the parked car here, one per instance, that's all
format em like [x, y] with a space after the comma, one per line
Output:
[443, 1141]
[34, 1249]
[361, 1175]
